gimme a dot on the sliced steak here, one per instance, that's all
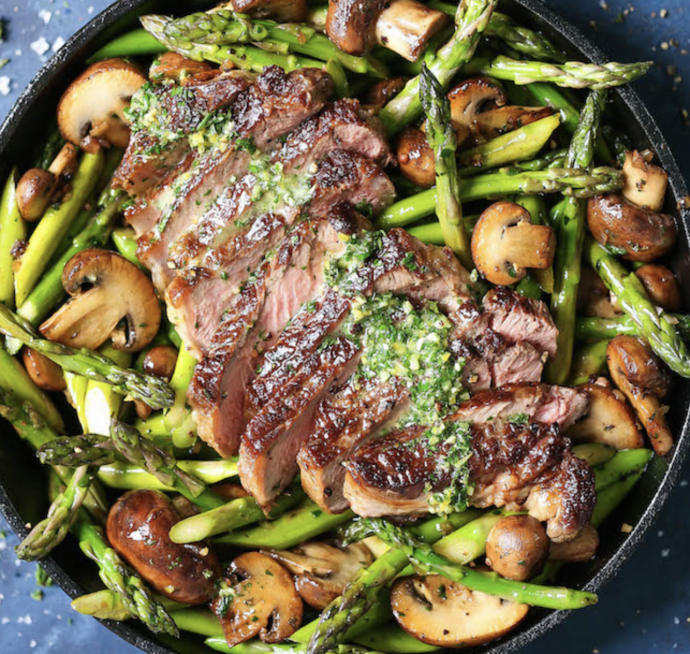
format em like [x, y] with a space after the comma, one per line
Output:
[274, 105]
[512, 465]
[163, 119]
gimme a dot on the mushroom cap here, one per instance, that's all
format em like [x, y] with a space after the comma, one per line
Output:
[661, 286]
[471, 96]
[580, 549]
[111, 298]
[261, 600]
[517, 547]
[505, 243]
[609, 420]
[639, 234]
[282, 11]
[441, 612]
[34, 191]
[92, 106]
[45, 373]
[351, 24]
[641, 367]
[322, 570]
[416, 158]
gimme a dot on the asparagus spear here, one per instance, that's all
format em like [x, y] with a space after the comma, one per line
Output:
[621, 466]
[54, 224]
[655, 325]
[121, 579]
[178, 420]
[226, 28]
[152, 390]
[237, 513]
[607, 328]
[77, 451]
[12, 229]
[588, 360]
[571, 74]
[570, 226]
[108, 605]
[51, 531]
[245, 57]
[471, 19]
[570, 181]
[441, 136]
[290, 529]
[131, 44]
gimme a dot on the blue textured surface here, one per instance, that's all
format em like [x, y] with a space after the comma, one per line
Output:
[647, 607]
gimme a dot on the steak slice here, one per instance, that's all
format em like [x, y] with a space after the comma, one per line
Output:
[163, 119]
[199, 298]
[274, 105]
[270, 444]
[513, 465]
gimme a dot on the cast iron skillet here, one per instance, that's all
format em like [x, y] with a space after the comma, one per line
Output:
[22, 482]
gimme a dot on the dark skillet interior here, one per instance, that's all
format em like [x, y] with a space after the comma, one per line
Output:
[22, 496]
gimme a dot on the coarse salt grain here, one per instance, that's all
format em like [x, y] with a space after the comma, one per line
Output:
[4, 85]
[40, 46]
[45, 15]
[58, 43]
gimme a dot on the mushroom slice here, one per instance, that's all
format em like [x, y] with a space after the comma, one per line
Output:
[580, 549]
[609, 420]
[90, 111]
[111, 298]
[259, 598]
[441, 612]
[661, 286]
[505, 243]
[637, 233]
[636, 371]
[322, 570]
[645, 184]
[469, 98]
[283, 11]
[416, 158]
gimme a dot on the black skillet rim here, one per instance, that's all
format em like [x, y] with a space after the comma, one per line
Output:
[138, 636]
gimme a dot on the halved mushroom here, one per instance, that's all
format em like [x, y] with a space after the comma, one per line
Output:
[322, 570]
[505, 243]
[578, 550]
[383, 92]
[111, 298]
[404, 26]
[637, 372]
[494, 122]
[282, 11]
[173, 67]
[416, 158]
[90, 112]
[609, 420]
[661, 286]
[441, 612]
[469, 98]
[637, 233]
[645, 184]
[43, 372]
[517, 547]
[259, 599]
[38, 188]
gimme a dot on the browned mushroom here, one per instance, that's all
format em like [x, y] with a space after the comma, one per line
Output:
[38, 188]
[661, 286]
[383, 92]
[609, 419]
[493, 122]
[43, 372]
[505, 243]
[173, 67]
[517, 547]
[111, 298]
[645, 184]
[469, 98]
[638, 373]
[159, 361]
[138, 527]
[404, 26]
[90, 112]
[416, 158]
[637, 233]
[283, 11]
[322, 570]
[259, 599]
[443, 613]
[580, 549]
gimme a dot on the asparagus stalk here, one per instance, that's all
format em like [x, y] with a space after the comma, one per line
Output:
[51, 531]
[588, 360]
[178, 420]
[54, 224]
[655, 325]
[77, 451]
[607, 328]
[131, 44]
[624, 464]
[152, 390]
[570, 226]
[235, 514]
[441, 136]
[571, 74]
[226, 28]
[570, 181]
[121, 579]
[108, 605]
[245, 57]
[471, 19]
[125, 243]
[302, 523]
[101, 402]
[12, 229]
